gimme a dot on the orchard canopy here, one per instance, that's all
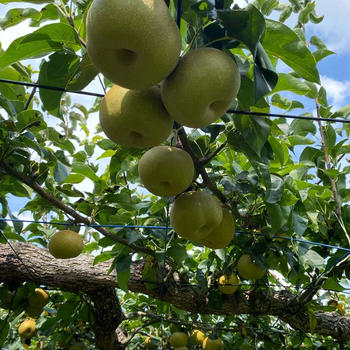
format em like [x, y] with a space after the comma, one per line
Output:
[280, 182]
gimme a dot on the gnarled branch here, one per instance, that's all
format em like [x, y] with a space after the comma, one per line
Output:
[79, 274]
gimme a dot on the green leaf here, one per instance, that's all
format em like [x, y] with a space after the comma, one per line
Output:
[255, 131]
[302, 127]
[282, 42]
[49, 38]
[56, 72]
[287, 82]
[17, 15]
[311, 258]
[278, 216]
[299, 140]
[86, 72]
[178, 253]
[61, 171]
[275, 191]
[105, 256]
[123, 271]
[82, 168]
[277, 148]
[246, 25]
[299, 223]
[330, 136]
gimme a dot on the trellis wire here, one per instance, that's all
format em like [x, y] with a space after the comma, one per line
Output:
[287, 116]
[166, 227]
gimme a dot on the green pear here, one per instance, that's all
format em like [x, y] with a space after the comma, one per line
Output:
[135, 118]
[166, 171]
[201, 88]
[66, 244]
[222, 235]
[195, 214]
[249, 269]
[134, 43]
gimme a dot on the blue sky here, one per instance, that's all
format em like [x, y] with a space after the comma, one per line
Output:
[334, 70]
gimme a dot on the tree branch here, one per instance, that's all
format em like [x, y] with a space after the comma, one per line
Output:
[70, 211]
[205, 177]
[79, 274]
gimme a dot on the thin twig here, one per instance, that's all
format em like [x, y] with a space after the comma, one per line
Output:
[70, 211]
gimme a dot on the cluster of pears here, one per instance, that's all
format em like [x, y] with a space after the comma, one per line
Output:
[136, 45]
[247, 268]
[65, 244]
[35, 304]
[180, 341]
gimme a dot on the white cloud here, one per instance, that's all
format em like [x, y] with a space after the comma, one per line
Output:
[338, 92]
[334, 29]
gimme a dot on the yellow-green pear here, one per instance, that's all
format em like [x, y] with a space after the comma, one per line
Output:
[166, 171]
[249, 269]
[228, 284]
[39, 298]
[27, 329]
[66, 244]
[135, 118]
[195, 214]
[178, 340]
[201, 88]
[222, 235]
[134, 43]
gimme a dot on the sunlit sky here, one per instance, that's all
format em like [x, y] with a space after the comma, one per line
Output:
[334, 70]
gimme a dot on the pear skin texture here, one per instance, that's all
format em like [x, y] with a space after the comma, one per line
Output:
[66, 244]
[228, 285]
[135, 118]
[248, 269]
[134, 43]
[195, 214]
[27, 329]
[39, 298]
[166, 171]
[197, 337]
[201, 88]
[178, 339]
[221, 236]
[212, 344]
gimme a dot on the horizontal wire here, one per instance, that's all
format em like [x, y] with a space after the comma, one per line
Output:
[41, 86]
[332, 120]
[166, 228]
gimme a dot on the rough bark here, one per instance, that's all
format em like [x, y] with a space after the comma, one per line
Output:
[79, 274]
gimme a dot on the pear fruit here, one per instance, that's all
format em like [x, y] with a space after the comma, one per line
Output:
[134, 43]
[178, 339]
[39, 298]
[66, 244]
[249, 269]
[221, 236]
[166, 171]
[197, 337]
[135, 118]
[201, 88]
[195, 214]
[27, 329]
[212, 344]
[228, 284]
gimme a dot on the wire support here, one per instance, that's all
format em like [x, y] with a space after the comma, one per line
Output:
[260, 114]
[231, 111]
[167, 227]
[47, 87]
